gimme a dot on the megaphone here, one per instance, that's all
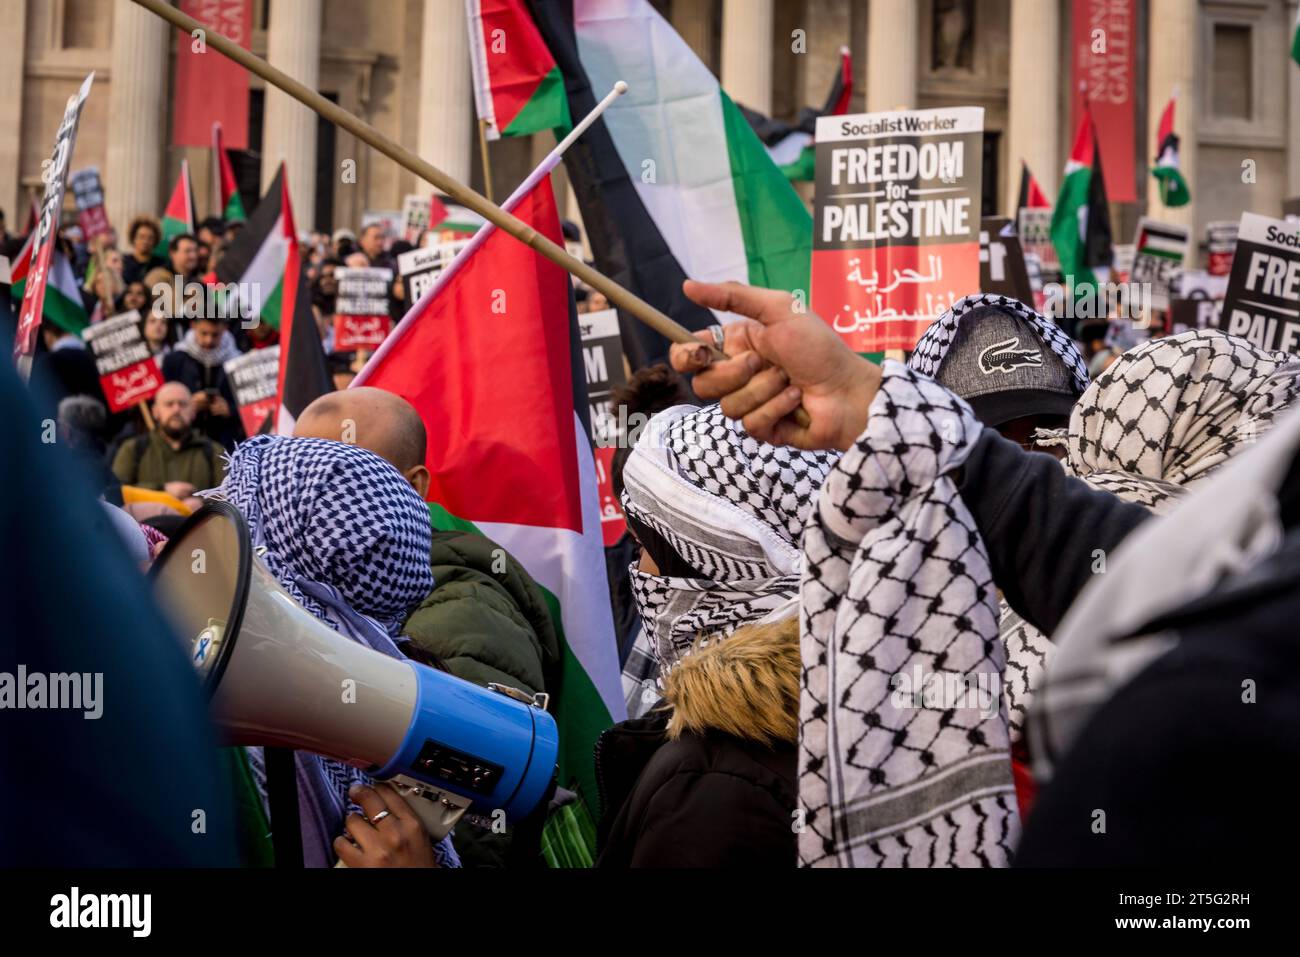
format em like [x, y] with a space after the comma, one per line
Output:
[277, 676]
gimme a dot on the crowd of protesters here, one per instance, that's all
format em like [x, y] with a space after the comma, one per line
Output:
[1101, 528]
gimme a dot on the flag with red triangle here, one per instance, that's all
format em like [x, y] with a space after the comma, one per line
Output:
[518, 88]
[1167, 169]
[487, 357]
[179, 216]
[1031, 195]
[230, 203]
[1081, 229]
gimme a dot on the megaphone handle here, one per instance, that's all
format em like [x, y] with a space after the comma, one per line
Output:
[282, 796]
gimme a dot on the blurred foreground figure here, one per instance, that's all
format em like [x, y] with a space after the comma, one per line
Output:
[100, 711]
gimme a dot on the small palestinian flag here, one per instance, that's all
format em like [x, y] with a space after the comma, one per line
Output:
[231, 203]
[62, 305]
[791, 147]
[1031, 196]
[1080, 228]
[264, 263]
[518, 89]
[179, 217]
[1173, 188]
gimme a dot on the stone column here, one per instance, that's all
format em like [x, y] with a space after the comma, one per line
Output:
[1172, 65]
[137, 103]
[1033, 111]
[893, 53]
[1293, 116]
[446, 105]
[693, 20]
[289, 128]
[747, 52]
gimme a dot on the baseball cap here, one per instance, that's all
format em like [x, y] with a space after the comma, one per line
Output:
[1005, 360]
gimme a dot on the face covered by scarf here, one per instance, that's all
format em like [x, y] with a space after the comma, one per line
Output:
[722, 515]
[1160, 420]
[1159, 423]
[346, 535]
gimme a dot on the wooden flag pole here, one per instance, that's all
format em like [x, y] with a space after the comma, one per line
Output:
[618, 296]
[487, 165]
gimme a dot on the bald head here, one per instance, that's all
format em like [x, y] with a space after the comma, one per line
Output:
[373, 419]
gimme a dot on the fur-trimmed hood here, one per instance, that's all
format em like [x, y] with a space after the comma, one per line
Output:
[746, 685]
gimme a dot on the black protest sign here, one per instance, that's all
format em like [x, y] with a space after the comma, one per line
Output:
[1263, 299]
[602, 361]
[1003, 270]
[419, 268]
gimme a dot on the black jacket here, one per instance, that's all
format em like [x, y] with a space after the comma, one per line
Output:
[1185, 764]
[178, 366]
[709, 800]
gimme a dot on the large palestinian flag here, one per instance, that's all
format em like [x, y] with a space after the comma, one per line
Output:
[1081, 220]
[487, 358]
[179, 217]
[518, 89]
[230, 202]
[62, 305]
[264, 264]
[672, 181]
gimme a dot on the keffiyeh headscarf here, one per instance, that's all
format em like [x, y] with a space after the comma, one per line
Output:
[897, 598]
[1160, 420]
[225, 351]
[346, 535]
[728, 512]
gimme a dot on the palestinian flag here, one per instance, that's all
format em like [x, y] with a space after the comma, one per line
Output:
[258, 258]
[179, 217]
[487, 356]
[1031, 196]
[1080, 228]
[672, 181]
[791, 147]
[264, 263]
[231, 203]
[62, 305]
[518, 89]
[1173, 188]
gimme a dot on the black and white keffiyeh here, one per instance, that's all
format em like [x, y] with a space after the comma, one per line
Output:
[733, 509]
[902, 760]
[933, 345]
[348, 537]
[226, 349]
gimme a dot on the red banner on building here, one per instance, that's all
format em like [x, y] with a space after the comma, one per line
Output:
[1102, 67]
[209, 87]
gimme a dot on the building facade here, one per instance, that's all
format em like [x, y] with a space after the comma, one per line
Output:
[403, 66]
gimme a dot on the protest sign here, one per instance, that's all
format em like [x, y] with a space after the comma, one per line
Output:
[47, 225]
[415, 217]
[254, 376]
[602, 361]
[391, 219]
[1158, 254]
[361, 319]
[1121, 261]
[1003, 270]
[128, 372]
[88, 192]
[1263, 299]
[420, 267]
[1220, 244]
[1034, 227]
[896, 223]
